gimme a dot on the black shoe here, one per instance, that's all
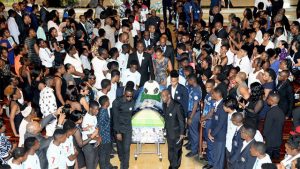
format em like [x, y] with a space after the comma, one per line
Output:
[207, 166]
[111, 156]
[204, 158]
[190, 154]
[113, 167]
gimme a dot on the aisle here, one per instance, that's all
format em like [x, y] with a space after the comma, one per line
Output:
[151, 161]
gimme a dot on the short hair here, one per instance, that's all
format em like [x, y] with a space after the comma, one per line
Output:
[74, 115]
[93, 104]
[101, 32]
[113, 51]
[174, 74]
[29, 143]
[18, 152]
[181, 46]
[239, 116]
[115, 73]
[58, 133]
[103, 99]
[231, 103]
[260, 147]
[211, 81]
[218, 90]
[272, 73]
[125, 46]
[101, 51]
[134, 62]
[249, 131]
[192, 77]
[69, 125]
[189, 69]
[275, 95]
[105, 83]
[128, 89]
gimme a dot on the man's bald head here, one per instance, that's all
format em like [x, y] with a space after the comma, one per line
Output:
[33, 127]
[163, 41]
[165, 96]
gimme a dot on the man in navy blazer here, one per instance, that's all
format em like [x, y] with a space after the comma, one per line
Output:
[237, 141]
[179, 92]
[218, 129]
[246, 160]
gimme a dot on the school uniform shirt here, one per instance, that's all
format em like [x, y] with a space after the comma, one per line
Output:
[112, 94]
[89, 122]
[99, 66]
[32, 162]
[231, 128]
[55, 157]
[230, 57]
[259, 162]
[135, 77]
[14, 166]
[104, 126]
[68, 150]
[245, 143]
[76, 62]
[46, 57]
[122, 60]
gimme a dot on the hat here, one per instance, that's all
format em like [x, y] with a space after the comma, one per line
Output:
[296, 131]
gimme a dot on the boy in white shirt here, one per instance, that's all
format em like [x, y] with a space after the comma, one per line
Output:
[46, 56]
[55, 155]
[19, 155]
[70, 152]
[123, 57]
[131, 74]
[258, 150]
[31, 145]
[89, 125]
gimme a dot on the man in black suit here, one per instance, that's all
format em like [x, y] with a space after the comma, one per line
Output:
[245, 160]
[286, 93]
[237, 141]
[220, 32]
[146, 39]
[218, 129]
[174, 125]
[44, 14]
[215, 16]
[81, 26]
[273, 126]
[179, 92]
[167, 49]
[145, 63]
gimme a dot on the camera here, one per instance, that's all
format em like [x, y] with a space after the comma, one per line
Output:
[66, 109]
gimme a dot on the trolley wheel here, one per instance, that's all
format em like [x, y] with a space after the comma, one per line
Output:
[135, 158]
[160, 157]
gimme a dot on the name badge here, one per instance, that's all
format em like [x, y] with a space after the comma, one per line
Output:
[170, 114]
[216, 117]
[235, 143]
[178, 98]
[130, 108]
[243, 159]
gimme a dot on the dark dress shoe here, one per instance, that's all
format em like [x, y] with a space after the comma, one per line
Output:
[114, 167]
[207, 166]
[186, 144]
[190, 154]
[188, 147]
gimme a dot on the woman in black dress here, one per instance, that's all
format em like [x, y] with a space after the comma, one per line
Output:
[254, 105]
[60, 85]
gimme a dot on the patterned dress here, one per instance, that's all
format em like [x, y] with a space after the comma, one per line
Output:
[160, 68]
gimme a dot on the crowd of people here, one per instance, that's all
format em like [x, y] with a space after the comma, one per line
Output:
[68, 86]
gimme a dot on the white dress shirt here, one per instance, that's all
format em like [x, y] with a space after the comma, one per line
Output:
[259, 162]
[245, 143]
[173, 91]
[140, 57]
[68, 150]
[231, 129]
[230, 57]
[46, 57]
[147, 42]
[119, 46]
[76, 62]
[270, 45]
[259, 36]
[89, 123]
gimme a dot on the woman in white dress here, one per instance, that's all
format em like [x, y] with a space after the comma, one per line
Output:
[257, 71]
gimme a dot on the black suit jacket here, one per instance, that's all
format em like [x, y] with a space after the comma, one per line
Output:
[169, 53]
[145, 69]
[245, 160]
[181, 95]
[286, 93]
[273, 127]
[80, 27]
[219, 123]
[174, 121]
[44, 18]
[222, 34]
